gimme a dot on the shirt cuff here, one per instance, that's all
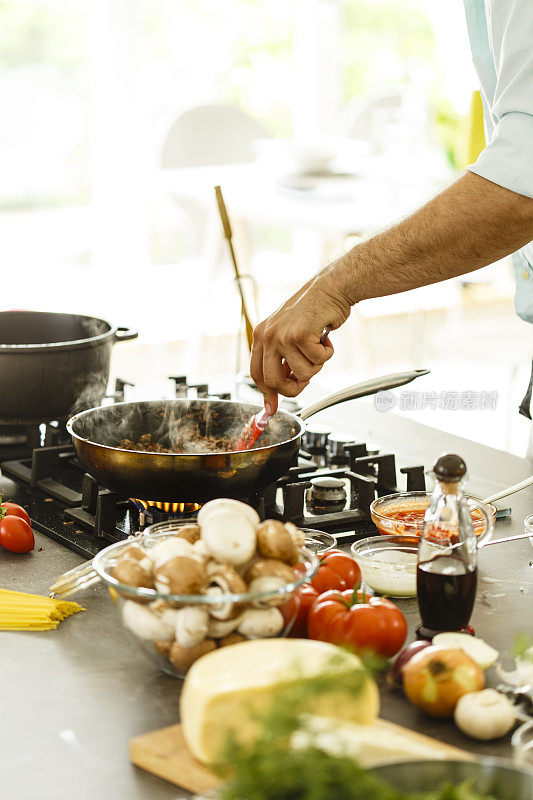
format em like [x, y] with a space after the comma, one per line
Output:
[508, 159]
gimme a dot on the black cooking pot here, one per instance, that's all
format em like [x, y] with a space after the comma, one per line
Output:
[52, 365]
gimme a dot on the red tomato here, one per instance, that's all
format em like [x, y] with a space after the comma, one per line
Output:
[13, 510]
[297, 608]
[337, 570]
[368, 623]
[16, 535]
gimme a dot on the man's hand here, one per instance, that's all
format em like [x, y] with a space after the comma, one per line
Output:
[287, 349]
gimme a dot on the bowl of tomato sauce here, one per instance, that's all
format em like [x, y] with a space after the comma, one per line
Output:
[402, 514]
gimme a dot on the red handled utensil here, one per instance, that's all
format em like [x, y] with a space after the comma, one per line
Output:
[252, 430]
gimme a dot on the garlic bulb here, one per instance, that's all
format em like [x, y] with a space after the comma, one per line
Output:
[484, 715]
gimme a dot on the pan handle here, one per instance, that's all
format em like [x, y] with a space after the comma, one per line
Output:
[125, 334]
[362, 390]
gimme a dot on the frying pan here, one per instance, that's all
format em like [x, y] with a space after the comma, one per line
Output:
[197, 477]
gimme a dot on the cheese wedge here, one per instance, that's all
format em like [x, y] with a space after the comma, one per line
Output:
[225, 690]
[370, 745]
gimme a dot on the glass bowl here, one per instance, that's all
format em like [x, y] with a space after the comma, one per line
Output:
[318, 542]
[134, 603]
[388, 564]
[382, 509]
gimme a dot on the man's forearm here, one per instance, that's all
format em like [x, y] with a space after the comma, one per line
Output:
[471, 224]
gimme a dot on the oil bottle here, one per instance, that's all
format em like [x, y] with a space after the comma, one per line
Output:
[447, 553]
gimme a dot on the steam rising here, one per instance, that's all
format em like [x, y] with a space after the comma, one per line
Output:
[181, 424]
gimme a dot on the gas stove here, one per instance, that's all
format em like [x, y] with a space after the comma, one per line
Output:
[329, 488]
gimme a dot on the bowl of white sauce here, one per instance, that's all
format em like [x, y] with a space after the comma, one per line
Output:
[388, 564]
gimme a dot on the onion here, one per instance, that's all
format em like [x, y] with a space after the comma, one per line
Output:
[435, 679]
[395, 676]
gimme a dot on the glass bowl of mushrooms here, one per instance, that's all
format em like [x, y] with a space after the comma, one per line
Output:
[185, 589]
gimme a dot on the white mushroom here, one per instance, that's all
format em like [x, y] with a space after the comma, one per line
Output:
[229, 536]
[170, 548]
[228, 504]
[218, 628]
[191, 626]
[484, 715]
[269, 575]
[180, 575]
[274, 540]
[200, 550]
[146, 624]
[224, 580]
[261, 623]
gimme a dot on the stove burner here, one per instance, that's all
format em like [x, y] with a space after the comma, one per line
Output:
[337, 443]
[329, 489]
[327, 494]
[153, 511]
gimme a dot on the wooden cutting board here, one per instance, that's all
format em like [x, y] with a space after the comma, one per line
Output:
[165, 754]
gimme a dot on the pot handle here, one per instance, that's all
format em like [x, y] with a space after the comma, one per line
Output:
[362, 390]
[125, 334]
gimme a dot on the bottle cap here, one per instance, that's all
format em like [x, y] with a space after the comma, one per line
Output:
[449, 467]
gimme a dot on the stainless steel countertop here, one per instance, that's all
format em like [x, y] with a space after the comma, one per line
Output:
[72, 699]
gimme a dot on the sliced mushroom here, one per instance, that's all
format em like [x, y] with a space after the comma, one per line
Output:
[233, 638]
[275, 541]
[191, 626]
[218, 628]
[191, 533]
[269, 575]
[170, 548]
[261, 623]
[180, 575]
[145, 623]
[224, 580]
[229, 536]
[227, 503]
[184, 657]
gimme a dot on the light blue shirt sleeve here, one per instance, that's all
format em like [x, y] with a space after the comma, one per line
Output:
[508, 157]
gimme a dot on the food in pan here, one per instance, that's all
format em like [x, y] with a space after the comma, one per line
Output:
[211, 565]
[204, 444]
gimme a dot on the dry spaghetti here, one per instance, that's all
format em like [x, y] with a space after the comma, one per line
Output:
[20, 611]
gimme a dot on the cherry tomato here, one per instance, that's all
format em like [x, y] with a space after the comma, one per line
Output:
[16, 535]
[13, 510]
[337, 570]
[361, 622]
[297, 608]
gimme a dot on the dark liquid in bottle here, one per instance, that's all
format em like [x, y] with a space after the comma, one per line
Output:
[446, 590]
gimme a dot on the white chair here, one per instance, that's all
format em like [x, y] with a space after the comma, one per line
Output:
[211, 134]
[207, 135]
